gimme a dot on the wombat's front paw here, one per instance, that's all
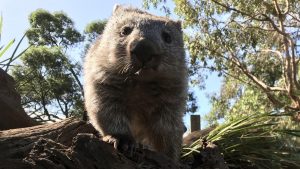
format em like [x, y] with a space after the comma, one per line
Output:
[120, 142]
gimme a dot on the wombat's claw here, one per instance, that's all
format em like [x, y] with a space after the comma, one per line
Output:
[121, 143]
[111, 140]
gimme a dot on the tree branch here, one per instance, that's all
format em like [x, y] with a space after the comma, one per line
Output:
[277, 7]
[60, 106]
[287, 8]
[295, 65]
[280, 56]
[239, 11]
[260, 83]
[267, 89]
[294, 17]
[281, 59]
[237, 78]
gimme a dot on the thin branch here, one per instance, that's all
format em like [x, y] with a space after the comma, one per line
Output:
[267, 90]
[56, 117]
[266, 17]
[260, 28]
[239, 11]
[38, 117]
[260, 83]
[278, 53]
[280, 57]
[273, 24]
[277, 7]
[77, 79]
[60, 106]
[287, 8]
[237, 78]
[294, 17]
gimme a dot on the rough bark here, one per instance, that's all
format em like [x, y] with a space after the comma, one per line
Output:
[195, 135]
[71, 144]
[11, 112]
[209, 158]
[75, 144]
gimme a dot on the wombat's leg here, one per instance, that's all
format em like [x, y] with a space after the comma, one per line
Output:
[108, 115]
[114, 126]
[166, 137]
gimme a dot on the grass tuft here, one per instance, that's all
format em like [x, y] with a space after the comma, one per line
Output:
[262, 141]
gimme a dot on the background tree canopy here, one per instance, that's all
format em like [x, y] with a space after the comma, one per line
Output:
[48, 79]
[55, 29]
[253, 45]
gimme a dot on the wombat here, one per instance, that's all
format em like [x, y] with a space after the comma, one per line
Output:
[136, 81]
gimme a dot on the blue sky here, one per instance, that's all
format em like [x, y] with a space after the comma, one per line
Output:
[15, 15]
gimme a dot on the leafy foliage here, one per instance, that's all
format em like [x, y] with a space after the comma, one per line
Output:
[254, 45]
[6, 63]
[94, 29]
[236, 100]
[47, 79]
[55, 29]
[45, 83]
[255, 141]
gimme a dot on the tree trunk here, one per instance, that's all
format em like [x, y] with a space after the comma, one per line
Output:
[11, 112]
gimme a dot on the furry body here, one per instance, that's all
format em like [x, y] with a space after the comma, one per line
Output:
[136, 81]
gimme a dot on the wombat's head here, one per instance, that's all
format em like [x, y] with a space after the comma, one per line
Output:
[142, 44]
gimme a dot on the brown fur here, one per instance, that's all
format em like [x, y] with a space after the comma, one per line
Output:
[147, 106]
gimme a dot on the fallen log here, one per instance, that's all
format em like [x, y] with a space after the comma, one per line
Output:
[75, 144]
[70, 144]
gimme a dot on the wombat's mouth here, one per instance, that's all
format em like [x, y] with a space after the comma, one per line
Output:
[144, 70]
[138, 72]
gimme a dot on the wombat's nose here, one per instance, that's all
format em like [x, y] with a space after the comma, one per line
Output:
[143, 50]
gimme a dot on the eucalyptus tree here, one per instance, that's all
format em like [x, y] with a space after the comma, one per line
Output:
[253, 45]
[48, 79]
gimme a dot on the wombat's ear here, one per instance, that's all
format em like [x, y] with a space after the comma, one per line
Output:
[117, 7]
[178, 24]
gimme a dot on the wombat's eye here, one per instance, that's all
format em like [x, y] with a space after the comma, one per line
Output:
[126, 30]
[166, 37]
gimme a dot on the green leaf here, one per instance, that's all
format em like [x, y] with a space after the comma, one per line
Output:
[13, 57]
[6, 47]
